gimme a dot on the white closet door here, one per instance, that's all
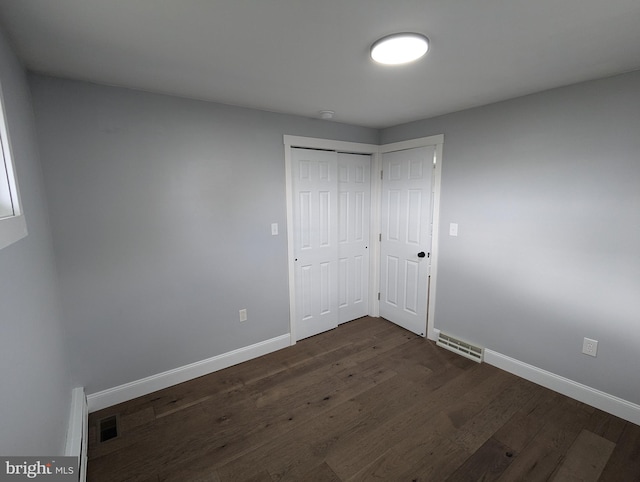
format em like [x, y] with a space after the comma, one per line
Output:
[354, 212]
[331, 211]
[315, 209]
[406, 237]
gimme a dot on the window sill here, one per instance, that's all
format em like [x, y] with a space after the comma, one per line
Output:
[12, 229]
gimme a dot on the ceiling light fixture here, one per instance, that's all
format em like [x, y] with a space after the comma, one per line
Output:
[326, 114]
[399, 48]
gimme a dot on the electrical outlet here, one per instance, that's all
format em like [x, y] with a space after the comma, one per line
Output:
[590, 347]
[243, 314]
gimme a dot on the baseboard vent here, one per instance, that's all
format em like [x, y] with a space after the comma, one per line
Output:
[108, 428]
[460, 347]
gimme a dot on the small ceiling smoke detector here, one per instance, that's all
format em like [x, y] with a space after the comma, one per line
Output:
[326, 114]
[399, 48]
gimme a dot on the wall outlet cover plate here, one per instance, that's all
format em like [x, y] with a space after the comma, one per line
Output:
[590, 347]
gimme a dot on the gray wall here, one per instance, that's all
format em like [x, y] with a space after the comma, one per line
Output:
[35, 387]
[161, 211]
[546, 191]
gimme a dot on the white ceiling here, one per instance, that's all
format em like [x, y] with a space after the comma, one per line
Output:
[303, 56]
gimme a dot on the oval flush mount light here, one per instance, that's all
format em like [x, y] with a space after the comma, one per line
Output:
[326, 114]
[399, 48]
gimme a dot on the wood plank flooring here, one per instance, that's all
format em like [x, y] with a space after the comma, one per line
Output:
[366, 401]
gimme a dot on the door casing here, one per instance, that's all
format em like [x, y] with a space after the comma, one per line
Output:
[376, 152]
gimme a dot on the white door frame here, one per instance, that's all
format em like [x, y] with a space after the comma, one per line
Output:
[376, 152]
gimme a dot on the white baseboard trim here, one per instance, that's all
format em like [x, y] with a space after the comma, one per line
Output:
[128, 391]
[77, 432]
[616, 406]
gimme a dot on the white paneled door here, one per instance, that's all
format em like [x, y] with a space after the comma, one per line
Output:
[331, 203]
[354, 206]
[315, 207]
[406, 213]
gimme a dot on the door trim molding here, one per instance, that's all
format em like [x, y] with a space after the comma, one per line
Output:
[376, 152]
[412, 143]
[329, 145]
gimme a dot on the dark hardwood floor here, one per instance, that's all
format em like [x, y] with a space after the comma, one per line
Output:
[366, 401]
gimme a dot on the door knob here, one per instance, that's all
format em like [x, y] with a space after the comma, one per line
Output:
[421, 254]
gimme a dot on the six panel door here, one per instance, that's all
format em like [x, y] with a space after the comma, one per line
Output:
[354, 214]
[315, 209]
[406, 237]
[331, 208]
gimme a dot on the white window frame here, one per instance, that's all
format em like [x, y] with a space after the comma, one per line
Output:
[14, 227]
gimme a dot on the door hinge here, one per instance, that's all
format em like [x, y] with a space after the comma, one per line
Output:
[428, 255]
[381, 174]
[378, 296]
[380, 237]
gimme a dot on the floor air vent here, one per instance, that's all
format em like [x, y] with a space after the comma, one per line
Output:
[108, 428]
[460, 347]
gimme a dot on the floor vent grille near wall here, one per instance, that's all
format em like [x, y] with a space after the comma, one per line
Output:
[460, 347]
[108, 428]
